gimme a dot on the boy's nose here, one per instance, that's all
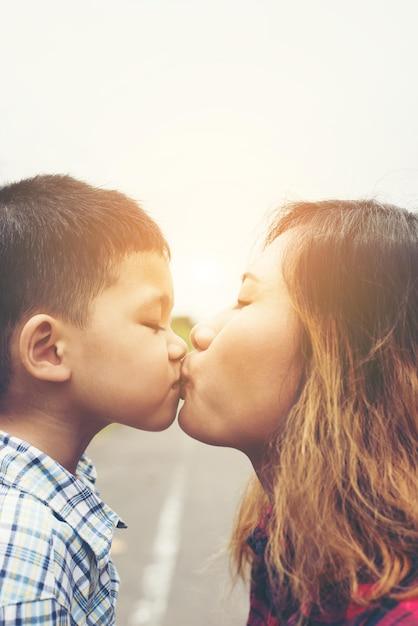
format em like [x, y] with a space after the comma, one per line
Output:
[202, 336]
[177, 348]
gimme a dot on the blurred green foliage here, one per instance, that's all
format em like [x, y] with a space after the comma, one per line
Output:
[182, 326]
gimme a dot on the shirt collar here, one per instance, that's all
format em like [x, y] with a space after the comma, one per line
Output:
[72, 498]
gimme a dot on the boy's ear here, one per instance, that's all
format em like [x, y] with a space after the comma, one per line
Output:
[41, 349]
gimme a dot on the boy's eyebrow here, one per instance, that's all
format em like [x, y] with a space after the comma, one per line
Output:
[164, 300]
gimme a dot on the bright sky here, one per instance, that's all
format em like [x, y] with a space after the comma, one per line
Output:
[213, 112]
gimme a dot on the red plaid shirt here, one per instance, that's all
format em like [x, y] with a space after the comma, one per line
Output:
[263, 612]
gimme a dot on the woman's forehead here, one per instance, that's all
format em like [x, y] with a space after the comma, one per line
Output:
[267, 266]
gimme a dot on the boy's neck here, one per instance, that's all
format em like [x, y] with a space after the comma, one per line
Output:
[64, 440]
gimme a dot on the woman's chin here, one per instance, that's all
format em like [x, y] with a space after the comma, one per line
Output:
[190, 423]
[196, 426]
[183, 417]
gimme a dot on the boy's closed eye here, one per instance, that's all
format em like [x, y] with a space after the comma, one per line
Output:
[155, 313]
[156, 326]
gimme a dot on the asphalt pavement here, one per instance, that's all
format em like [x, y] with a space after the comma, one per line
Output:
[178, 498]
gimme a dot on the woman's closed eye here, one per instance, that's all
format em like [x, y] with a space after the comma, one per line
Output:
[241, 303]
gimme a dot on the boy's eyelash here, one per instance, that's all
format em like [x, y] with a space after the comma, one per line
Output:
[155, 327]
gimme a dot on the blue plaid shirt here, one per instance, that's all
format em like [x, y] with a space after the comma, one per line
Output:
[55, 539]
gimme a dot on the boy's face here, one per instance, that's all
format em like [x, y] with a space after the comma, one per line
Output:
[126, 362]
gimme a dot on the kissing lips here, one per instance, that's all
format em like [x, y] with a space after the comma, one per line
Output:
[184, 380]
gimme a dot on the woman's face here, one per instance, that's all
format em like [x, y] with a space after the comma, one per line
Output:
[243, 376]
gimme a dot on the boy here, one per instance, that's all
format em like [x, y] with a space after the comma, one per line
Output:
[85, 341]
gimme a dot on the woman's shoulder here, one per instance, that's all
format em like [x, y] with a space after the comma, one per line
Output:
[263, 612]
[388, 613]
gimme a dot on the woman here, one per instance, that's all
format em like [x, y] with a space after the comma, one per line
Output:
[314, 375]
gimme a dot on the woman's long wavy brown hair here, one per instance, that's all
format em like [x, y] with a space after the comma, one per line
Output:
[344, 497]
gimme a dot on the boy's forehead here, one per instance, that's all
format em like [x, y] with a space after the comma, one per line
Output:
[147, 273]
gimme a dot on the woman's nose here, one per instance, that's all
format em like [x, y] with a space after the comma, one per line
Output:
[202, 336]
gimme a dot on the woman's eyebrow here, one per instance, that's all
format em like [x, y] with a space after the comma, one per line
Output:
[250, 276]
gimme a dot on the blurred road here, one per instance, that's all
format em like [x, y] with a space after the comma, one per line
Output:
[178, 498]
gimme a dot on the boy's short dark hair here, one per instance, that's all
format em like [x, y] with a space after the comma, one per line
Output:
[60, 244]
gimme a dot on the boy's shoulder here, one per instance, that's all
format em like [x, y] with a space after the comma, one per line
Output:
[55, 534]
[35, 550]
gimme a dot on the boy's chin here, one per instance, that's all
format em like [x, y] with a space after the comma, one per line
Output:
[165, 423]
[155, 422]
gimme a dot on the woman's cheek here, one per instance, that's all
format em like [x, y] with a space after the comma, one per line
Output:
[231, 374]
